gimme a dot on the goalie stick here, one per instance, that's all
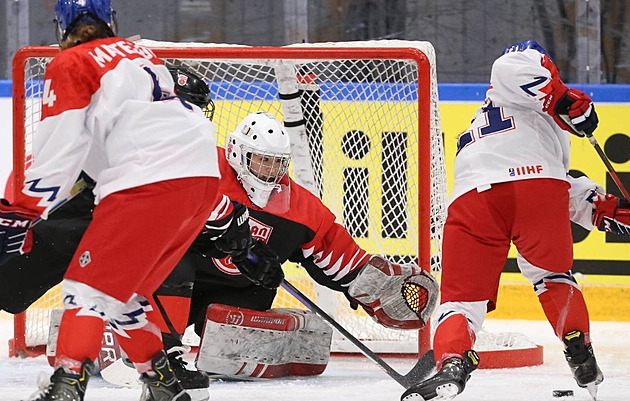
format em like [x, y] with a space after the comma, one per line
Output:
[419, 372]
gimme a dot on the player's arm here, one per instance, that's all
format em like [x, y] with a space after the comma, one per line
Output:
[227, 233]
[581, 208]
[590, 206]
[611, 214]
[335, 260]
[59, 149]
[528, 77]
[61, 144]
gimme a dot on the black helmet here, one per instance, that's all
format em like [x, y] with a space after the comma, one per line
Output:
[193, 89]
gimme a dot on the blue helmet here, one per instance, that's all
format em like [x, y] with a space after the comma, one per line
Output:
[528, 44]
[67, 11]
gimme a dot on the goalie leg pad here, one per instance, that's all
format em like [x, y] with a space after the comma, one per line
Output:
[241, 343]
[396, 296]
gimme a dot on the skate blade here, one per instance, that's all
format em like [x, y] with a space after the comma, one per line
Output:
[198, 394]
[444, 392]
[592, 390]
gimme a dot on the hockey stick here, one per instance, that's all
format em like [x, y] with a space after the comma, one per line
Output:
[611, 170]
[419, 372]
[600, 152]
[78, 187]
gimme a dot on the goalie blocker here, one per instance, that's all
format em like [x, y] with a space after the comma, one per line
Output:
[239, 343]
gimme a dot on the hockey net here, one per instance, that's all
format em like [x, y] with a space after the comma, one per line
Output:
[365, 128]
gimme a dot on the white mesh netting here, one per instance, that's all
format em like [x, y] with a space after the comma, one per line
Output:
[368, 116]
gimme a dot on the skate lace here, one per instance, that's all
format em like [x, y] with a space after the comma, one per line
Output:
[175, 355]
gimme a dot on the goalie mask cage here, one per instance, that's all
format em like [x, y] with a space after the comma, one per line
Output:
[365, 129]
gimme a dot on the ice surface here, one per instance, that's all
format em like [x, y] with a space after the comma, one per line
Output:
[348, 379]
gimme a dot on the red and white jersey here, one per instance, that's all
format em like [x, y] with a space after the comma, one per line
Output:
[109, 109]
[511, 138]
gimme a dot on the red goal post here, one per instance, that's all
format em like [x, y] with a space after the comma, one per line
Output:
[365, 128]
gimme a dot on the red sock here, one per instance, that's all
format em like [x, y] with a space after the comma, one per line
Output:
[79, 339]
[142, 345]
[452, 337]
[176, 309]
[565, 309]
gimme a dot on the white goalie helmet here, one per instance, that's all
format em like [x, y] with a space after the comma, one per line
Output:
[259, 150]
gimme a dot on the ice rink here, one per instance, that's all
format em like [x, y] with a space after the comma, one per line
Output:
[359, 379]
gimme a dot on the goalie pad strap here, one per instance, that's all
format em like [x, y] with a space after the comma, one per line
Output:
[273, 343]
[396, 296]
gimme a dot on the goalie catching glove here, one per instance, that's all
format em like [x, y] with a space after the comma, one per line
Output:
[612, 214]
[15, 233]
[396, 296]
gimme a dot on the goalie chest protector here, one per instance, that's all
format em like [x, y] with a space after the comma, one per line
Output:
[244, 343]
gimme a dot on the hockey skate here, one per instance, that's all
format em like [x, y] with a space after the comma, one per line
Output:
[65, 384]
[582, 362]
[449, 381]
[163, 385]
[194, 382]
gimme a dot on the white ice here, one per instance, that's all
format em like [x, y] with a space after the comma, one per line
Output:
[348, 379]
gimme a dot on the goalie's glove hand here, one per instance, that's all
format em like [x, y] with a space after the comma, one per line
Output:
[396, 296]
[612, 214]
[261, 266]
[237, 239]
[579, 108]
[15, 233]
[218, 242]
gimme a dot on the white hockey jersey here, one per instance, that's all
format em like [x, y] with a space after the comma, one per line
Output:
[109, 109]
[511, 138]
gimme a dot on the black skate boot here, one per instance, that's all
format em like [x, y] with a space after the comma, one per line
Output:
[449, 381]
[65, 384]
[163, 385]
[194, 382]
[582, 362]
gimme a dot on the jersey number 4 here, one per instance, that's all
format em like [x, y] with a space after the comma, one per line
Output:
[49, 97]
[496, 123]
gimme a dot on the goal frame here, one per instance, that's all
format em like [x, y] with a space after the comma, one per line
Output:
[18, 343]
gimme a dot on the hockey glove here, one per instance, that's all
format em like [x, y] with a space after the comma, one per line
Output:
[229, 236]
[396, 296]
[15, 233]
[261, 266]
[576, 113]
[612, 214]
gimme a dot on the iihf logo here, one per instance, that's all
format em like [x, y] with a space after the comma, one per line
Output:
[182, 79]
[85, 259]
[525, 170]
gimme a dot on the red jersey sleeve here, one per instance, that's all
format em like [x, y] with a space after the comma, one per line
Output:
[332, 249]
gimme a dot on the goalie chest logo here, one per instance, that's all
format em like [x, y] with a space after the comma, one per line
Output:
[260, 230]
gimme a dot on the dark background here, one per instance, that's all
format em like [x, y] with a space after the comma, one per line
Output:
[588, 39]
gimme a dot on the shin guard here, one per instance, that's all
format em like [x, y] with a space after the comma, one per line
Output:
[565, 308]
[452, 337]
[79, 338]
